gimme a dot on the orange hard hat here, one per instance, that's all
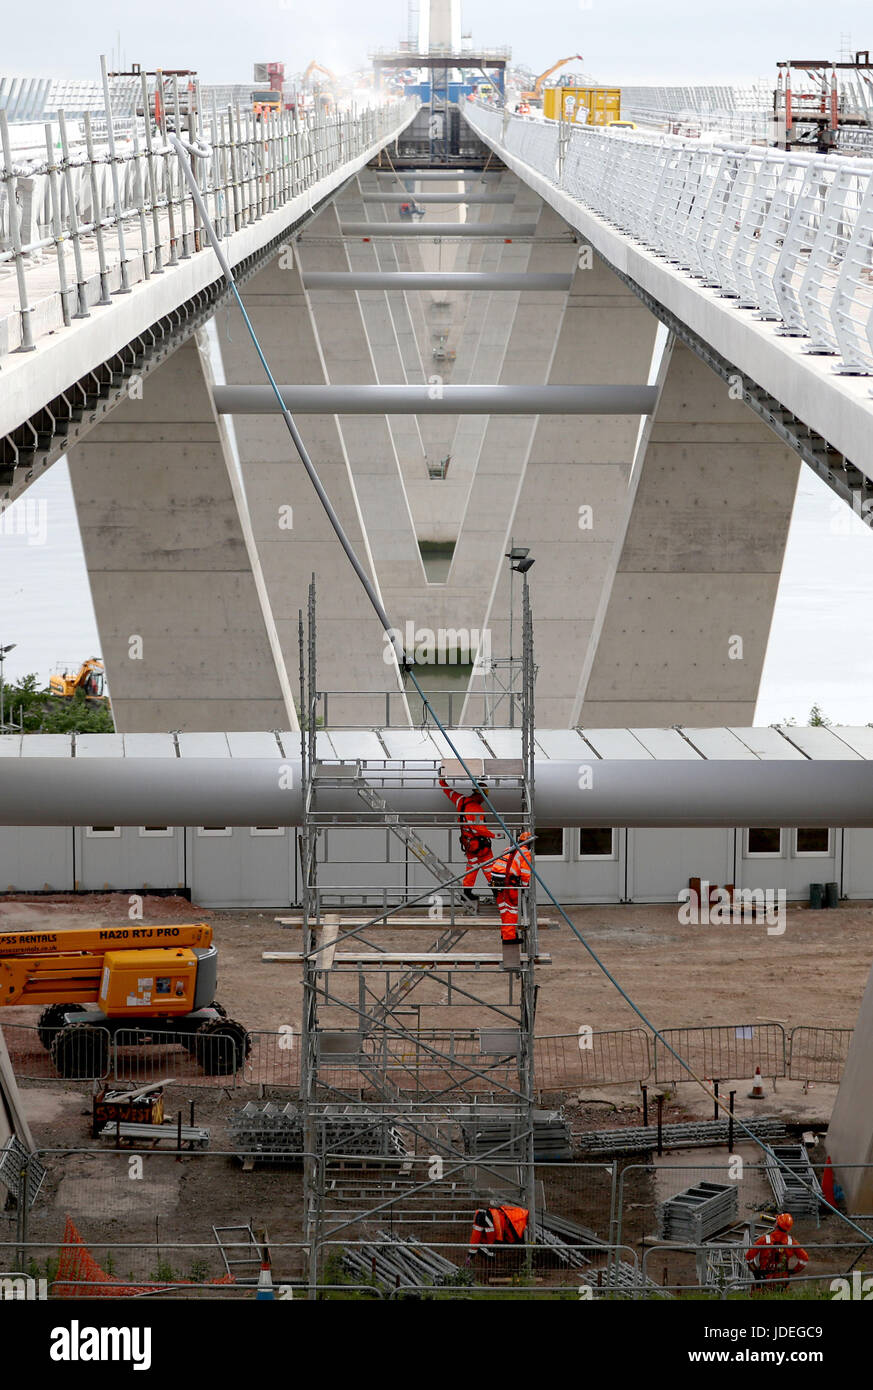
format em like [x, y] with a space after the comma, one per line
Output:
[784, 1221]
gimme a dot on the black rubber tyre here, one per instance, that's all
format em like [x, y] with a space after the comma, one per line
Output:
[50, 1020]
[221, 1046]
[81, 1052]
[219, 1008]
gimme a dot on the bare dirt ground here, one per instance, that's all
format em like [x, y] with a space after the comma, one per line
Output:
[813, 974]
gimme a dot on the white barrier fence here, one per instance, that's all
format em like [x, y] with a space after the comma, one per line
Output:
[73, 200]
[788, 235]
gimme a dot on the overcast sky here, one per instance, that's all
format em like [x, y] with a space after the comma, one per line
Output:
[621, 40]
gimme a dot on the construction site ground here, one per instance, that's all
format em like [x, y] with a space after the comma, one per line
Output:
[680, 976]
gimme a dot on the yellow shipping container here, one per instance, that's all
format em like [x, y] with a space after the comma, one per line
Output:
[583, 105]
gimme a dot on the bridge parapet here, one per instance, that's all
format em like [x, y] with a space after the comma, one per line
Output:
[74, 239]
[788, 235]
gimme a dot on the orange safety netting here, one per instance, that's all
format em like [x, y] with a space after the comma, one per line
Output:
[80, 1276]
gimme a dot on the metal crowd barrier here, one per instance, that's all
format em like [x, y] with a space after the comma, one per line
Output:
[563, 1061]
[724, 1052]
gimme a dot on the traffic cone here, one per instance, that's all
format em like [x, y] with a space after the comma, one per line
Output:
[827, 1183]
[757, 1092]
[265, 1281]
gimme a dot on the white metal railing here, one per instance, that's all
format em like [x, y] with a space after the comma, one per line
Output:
[76, 204]
[789, 235]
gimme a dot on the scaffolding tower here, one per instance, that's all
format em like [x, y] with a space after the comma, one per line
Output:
[417, 1067]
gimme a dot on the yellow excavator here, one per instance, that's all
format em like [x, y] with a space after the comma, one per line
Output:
[324, 99]
[90, 679]
[537, 93]
[96, 982]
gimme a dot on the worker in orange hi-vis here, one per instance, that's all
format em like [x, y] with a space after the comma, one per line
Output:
[509, 874]
[775, 1257]
[476, 835]
[497, 1226]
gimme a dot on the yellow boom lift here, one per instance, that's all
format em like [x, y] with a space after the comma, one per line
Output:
[96, 981]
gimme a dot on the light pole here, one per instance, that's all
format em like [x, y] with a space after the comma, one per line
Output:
[520, 561]
[3, 651]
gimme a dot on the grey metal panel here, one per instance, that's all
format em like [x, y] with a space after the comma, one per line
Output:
[99, 746]
[666, 744]
[664, 859]
[467, 742]
[324, 745]
[615, 744]
[504, 743]
[10, 745]
[860, 740]
[410, 743]
[47, 746]
[584, 881]
[36, 859]
[858, 863]
[131, 861]
[787, 872]
[211, 745]
[562, 743]
[149, 746]
[818, 742]
[719, 743]
[253, 745]
[356, 743]
[451, 400]
[241, 869]
[768, 744]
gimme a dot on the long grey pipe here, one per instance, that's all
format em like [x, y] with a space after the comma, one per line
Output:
[435, 280]
[503, 230]
[250, 791]
[429, 400]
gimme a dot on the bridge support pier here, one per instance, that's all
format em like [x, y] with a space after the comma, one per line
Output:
[184, 624]
[682, 630]
[292, 534]
[850, 1134]
[565, 497]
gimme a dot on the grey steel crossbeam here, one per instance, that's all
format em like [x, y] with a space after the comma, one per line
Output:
[455, 175]
[439, 400]
[441, 229]
[438, 198]
[436, 280]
